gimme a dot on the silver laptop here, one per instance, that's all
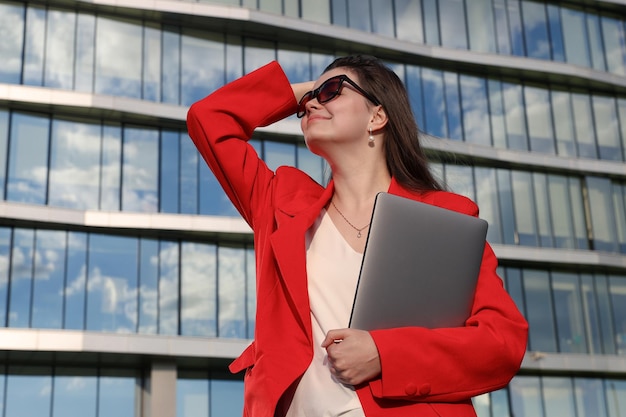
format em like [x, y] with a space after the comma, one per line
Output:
[420, 266]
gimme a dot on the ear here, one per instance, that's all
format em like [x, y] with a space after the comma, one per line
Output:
[379, 118]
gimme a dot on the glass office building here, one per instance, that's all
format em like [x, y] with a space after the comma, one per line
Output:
[127, 278]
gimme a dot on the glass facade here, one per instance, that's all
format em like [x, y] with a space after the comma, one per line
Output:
[543, 156]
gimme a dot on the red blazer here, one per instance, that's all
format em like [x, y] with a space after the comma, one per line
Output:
[424, 372]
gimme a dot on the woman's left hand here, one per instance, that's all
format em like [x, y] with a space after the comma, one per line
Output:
[352, 355]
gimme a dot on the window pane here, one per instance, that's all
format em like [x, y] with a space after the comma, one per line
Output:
[564, 124]
[496, 112]
[614, 44]
[74, 393]
[148, 286]
[536, 30]
[12, 35]
[232, 290]
[460, 180]
[339, 12]
[198, 290]
[542, 208]
[475, 110]
[169, 302]
[595, 42]
[590, 314]
[192, 397]
[112, 286]
[171, 72]
[435, 122]
[257, 53]
[539, 119]
[515, 117]
[578, 213]
[480, 22]
[505, 192]
[22, 260]
[487, 200]
[617, 288]
[152, 63]
[413, 84]
[359, 15]
[118, 72]
[49, 279]
[516, 30]
[561, 210]
[568, 313]
[602, 215]
[59, 71]
[316, 11]
[189, 193]
[5, 253]
[558, 396]
[34, 46]
[556, 33]
[502, 27]
[382, 17]
[525, 220]
[585, 134]
[111, 168]
[621, 103]
[409, 20]
[605, 313]
[76, 278]
[75, 165]
[277, 154]
[500, 403]
[589, 394]
[453, 105]
[250, 292]
[431, 22]
[526, 396]
[169, 172]
[574, 37]
[140, 170]
[28, 170]
[116, 395]
[607, 128]
[226, 398]
[202, 64]
[4, 142]
[452, 23]
[21, 384]
[85, 52]
[616, 397]
[619, 204]
[539, 312]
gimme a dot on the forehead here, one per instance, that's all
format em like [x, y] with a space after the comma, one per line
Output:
[333, 73]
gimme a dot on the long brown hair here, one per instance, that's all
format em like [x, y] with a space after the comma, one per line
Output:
[405, 157]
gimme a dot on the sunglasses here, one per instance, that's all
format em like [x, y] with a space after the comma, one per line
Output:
[329, 90]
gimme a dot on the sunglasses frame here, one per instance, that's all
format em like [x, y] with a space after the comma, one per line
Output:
[310, 95]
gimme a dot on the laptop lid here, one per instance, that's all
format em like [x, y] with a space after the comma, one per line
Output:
[420, 266]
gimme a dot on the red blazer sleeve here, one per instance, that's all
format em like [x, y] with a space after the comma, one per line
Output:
[455, 364]
[221, 124]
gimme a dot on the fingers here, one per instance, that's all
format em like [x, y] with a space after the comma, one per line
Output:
[334, 336]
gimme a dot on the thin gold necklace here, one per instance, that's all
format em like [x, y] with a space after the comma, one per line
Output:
[358, 231]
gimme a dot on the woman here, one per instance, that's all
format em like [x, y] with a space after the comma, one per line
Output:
[309, 241]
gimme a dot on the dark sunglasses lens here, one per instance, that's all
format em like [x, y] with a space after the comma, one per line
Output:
[329, 90]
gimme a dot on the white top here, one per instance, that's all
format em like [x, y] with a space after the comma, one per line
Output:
[333, 270]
